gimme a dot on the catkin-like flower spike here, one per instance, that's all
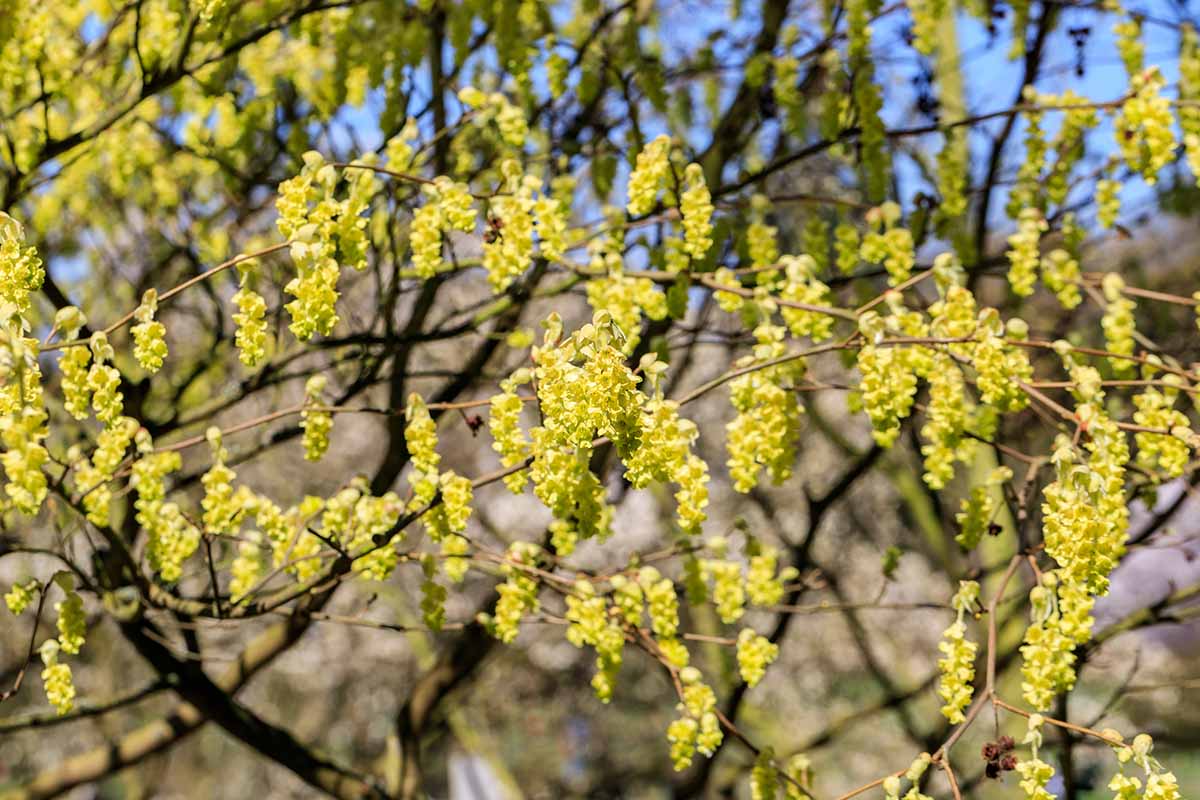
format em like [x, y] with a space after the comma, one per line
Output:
[754, 654]
[1128, 33]
[250, 317]
[926, 15]
[888, 244]
[21, 272]
[1108, 202]
[1144, 128]
[307, 217]
[56, 678]
[104, 381]
[315, 422]
[957, 666]
[510, 119]
[508, 246]
[649, 175]
[149, 335]
[1023, 251]
[71, 623]
[765, 586]
[1118, 324]
[77, 394]
[1166, 452]
[1027, 190]
[763, 434]
[1035, 776]
[20, 595]
[695, 205]
[518, 595]
[1060, 273]
[504, 423]
[420, 435]
[220, 503]
[399, 149]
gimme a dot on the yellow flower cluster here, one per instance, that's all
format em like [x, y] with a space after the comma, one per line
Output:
[593, 626]
[1084, 511]
[665, 455]
[1144, 128]
[846, 247]
[1078, 118]
[919, 766]
[495, 107]
[449, 518]
[889, 380]
[1060, 273]
[518, 593]
[93, 476]
[754, 654]
[763, 434]
[888, 243]
[21, 272]
[1118, 323]
[248, 566]
[1061, 619]
[504, 423]
[649, 175]
[957, 665]
[221, 503]
[696, 208]
[104, 381]
[729, 590]
[764, 584]
[149, 335]
[1108, 202]
[946, 419]
[802, 286]
[508, 254]
[56, 678]
[1168, 452]
[662, 604]
[697, 729]
[420, 436]
[1002, 367]
[323, 232]
[1160, 784]
[250, 318]
[71, 622]
[1035, 776]
[551, 216]
[626, 298]
[315, 422]
[20, 595]
[21, 432]
[73, 366]
[762, 242]
[171, 537]
[1023, 251]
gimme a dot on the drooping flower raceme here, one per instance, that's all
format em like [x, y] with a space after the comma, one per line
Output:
[316, 422]
[149, 335]
[649, 175]
[957, 665]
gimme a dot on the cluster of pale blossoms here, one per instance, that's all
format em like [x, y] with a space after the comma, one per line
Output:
[957, 362]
